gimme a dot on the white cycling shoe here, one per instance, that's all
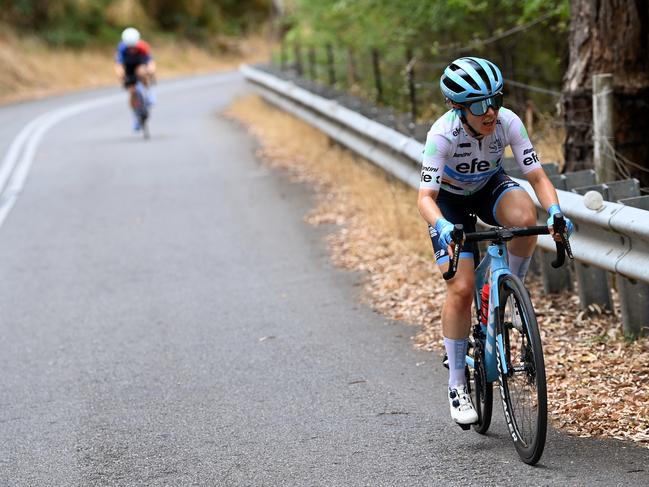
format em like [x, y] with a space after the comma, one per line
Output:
[462, 410]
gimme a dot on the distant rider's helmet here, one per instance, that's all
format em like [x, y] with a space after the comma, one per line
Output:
[470, 79]
[130, 36]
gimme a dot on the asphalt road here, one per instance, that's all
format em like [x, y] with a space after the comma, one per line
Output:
[167, 319]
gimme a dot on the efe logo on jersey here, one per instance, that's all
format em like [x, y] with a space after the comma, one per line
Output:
[528, 161]
[475, 166]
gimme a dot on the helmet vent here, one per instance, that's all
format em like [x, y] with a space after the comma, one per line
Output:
[453, 86]
[471, 81]
[484, 77]
[495, 75]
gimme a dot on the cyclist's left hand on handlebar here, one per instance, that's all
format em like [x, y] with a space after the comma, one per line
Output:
[553, 210]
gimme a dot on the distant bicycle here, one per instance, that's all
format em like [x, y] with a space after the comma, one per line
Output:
[142, 108]
[506, 343]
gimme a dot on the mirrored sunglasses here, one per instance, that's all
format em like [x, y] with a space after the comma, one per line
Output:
[480, 107]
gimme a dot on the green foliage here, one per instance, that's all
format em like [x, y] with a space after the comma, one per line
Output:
[381, 23]
[439, 31]
[65, 22]
[198, 19]
[79, 22]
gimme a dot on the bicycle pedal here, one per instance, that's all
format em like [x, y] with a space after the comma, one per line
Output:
[465, 427]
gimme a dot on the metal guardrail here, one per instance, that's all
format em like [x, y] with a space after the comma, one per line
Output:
[614, 238]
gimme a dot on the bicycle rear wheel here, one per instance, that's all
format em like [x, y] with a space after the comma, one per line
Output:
[481, 390]
[523, 388]
[142, 110]
[145, 127]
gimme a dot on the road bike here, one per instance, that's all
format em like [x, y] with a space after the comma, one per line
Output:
[505, 346]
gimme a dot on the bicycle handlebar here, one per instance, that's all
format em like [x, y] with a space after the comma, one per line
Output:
[500, 234]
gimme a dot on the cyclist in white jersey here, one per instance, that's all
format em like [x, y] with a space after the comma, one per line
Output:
[462, 177]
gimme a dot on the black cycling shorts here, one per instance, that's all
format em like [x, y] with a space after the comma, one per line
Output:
[462, 209]
[129, 74]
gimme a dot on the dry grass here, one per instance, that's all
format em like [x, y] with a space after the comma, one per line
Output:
[548, 137]
[597, 382]
[31, 69]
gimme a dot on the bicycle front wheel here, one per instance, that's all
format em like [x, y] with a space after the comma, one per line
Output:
[522, 387]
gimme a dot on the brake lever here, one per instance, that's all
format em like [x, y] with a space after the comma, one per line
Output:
[457, 236]
[563, 247]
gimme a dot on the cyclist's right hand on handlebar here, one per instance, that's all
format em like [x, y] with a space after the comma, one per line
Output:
[569, 227]
[444, 229]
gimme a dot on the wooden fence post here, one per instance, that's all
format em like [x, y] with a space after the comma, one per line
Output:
[298, 58]
[312, 63]
[376, 65]
[282, 56]
[603, 133]
[330, 63]
[352, 68]
[410, 75]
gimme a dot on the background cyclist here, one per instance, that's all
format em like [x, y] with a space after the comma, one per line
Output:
[133, 62]
[462, 175]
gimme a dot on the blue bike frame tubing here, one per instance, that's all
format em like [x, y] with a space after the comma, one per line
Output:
[141, 91]
[492, 267]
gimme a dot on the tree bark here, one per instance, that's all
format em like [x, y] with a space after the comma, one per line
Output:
[608, 36]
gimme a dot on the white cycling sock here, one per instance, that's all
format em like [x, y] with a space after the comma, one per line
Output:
[519, 265]
[456, 352]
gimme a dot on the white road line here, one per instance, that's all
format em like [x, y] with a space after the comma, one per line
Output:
[14, 168]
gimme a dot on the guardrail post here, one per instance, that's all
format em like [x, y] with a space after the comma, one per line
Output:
[576, 179]
[376, 66]
[634, 295]
[593, 283]
[557, 280]
[550, 168]
[625, 188]
[554, 280]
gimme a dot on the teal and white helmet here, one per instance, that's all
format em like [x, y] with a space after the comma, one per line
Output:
[469, 79]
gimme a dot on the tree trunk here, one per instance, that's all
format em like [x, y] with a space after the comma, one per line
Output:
[608, 36]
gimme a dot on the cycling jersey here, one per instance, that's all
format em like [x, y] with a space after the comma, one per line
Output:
[133, 56]
[462, 164]
[462, 209]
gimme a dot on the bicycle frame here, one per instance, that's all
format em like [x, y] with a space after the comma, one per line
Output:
[142, 110]
[492, 266]
[141, 92]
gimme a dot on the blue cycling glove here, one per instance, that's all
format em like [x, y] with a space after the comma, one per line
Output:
[444, 229]
[553, 210]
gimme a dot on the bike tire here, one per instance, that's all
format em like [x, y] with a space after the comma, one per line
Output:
[481, 390]
[145, 129]
[523, 389]
[142, 112]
